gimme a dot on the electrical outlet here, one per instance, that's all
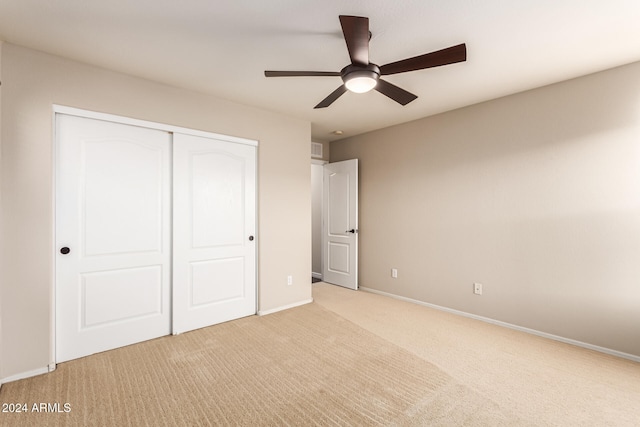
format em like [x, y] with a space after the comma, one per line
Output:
[477, 288]
[394, 273]
[289, 280]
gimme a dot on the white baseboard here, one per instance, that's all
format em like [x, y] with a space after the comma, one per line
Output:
[316, 275]
[509, 325]
[24, 375]
[284, 307]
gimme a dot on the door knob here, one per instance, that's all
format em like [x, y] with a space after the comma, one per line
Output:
[65, 250]
[251, 238]
[352, 231]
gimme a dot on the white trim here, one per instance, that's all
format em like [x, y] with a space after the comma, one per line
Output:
[316, 275]
[54, 241]
[256, 229]
[24, 375]
[284, 307]
[319, 162]
[510, 326]
[61, 109]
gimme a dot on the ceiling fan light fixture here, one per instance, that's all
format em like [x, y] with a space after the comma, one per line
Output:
[360, 84]
[360, 79]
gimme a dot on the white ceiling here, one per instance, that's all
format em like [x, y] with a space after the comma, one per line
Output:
[222, 47]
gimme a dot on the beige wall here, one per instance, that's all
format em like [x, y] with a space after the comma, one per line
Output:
[1, 235]
[31, 83]
[535, 195]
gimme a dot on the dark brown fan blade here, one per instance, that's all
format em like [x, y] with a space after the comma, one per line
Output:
[446, 56]
[332, 97]
[301, 74]
[356, 34]
[399, 95]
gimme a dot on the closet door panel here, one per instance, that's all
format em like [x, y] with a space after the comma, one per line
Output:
[113, 212]
[214, 228]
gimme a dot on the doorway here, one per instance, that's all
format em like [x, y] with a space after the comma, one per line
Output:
[317, 171]
[335, 222]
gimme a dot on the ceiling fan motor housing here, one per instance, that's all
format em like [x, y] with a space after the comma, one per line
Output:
[368, 75]
[352, 71]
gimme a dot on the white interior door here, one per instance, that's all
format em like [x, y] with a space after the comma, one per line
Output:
[340, 227]
[113, 212]
[214, 227]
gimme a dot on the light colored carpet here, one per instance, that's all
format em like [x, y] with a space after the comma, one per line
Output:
[350, 358]
[304, 366]
[545, 382]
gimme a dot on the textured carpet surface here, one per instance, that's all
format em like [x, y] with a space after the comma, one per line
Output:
[349, 359]
[304, 366]
[545, 382]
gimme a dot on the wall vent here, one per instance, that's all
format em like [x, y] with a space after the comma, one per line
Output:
[316, 150]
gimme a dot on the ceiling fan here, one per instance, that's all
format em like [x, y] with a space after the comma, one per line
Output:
[361, 75]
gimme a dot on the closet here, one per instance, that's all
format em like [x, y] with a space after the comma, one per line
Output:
[155, 231]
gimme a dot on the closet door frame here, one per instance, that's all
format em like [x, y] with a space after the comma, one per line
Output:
[61, 109]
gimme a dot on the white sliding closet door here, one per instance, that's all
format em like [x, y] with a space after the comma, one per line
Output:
[113, 235]
[214, 221]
